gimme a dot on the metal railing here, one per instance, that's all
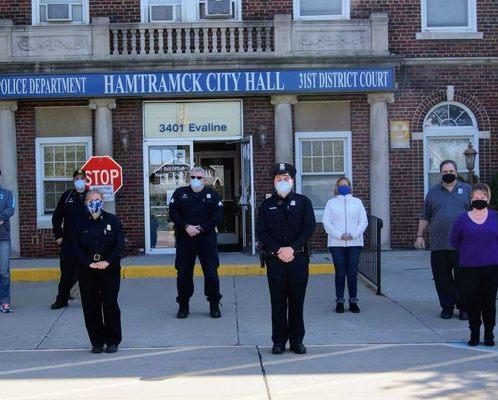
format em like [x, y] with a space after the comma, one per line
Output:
[370, 266]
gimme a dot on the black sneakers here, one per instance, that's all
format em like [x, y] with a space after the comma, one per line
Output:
[97, 349]
[278, 349]
[58, 305]
[111, 348]
[298, 348]
[339, 308]
[353, 307]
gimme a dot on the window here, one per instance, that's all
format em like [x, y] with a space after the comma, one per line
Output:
[449, 15]
[60, 11]
[321, 158]
[56, 160]
[189, 10]
[448, 129]
[321, 9]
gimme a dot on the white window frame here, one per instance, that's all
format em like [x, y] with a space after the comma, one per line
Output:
[190, 12]
[346, 7]
[449, 132]
[45, 221]
[35, 15]
[471, 26]
[348, 162]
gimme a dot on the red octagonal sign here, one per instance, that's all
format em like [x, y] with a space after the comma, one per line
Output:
[103, 171]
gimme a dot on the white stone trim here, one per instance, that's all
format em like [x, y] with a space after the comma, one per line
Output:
[430, 35]
[484, 135]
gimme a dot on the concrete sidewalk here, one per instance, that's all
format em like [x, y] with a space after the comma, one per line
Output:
[158, 266]
[397, 348]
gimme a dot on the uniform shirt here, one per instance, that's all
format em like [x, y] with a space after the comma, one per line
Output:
[204, 208]
[7, 209]
[285, 222]
[441, 209]
[70, 208]
[103, 236]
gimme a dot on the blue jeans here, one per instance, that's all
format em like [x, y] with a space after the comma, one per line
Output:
[4, 272]
[346, 260]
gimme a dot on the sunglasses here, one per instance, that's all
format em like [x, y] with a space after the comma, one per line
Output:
[196, 177]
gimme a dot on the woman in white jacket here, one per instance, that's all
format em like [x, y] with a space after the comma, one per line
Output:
[345, 221]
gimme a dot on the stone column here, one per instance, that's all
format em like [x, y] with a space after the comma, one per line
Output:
[103, 133]
[8, 163]
[379, 162]
[284, 149]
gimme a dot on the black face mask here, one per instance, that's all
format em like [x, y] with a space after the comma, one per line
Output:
[479, 204]
[449, 178]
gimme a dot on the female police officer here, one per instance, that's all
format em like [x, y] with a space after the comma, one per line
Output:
[99, 242]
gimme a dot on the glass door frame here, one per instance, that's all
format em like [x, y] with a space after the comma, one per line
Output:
[153, 142]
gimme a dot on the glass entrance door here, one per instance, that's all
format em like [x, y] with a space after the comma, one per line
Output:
[168, 169]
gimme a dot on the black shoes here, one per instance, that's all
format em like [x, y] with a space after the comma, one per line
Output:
[97, 349]
[111, 348]
[278, 349]
[353, 307]
[339, 308]
[298, 348]
[463, 315]
[183, 311]
[214, 310]
[474, 338]
[489, 338]
[447, 314]
[58, 305]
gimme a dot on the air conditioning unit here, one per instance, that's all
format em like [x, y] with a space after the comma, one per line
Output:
[159, 13]
[219, 8]
[59, 12]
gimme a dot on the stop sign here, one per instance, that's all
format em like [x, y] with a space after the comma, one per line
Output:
[103, 171]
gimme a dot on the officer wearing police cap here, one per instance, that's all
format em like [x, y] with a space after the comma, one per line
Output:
[285, 224]
[70, 207]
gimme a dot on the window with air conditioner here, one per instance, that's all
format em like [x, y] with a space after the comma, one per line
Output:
[228, 9]
[165, 10]
[60, 11]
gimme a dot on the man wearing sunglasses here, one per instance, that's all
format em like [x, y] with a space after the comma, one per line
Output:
[196, 210]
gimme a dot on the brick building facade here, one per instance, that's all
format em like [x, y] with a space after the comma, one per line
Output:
[437, 66]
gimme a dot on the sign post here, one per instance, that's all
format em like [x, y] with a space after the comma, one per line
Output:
[105, 174]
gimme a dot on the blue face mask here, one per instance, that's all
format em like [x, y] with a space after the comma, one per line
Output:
[196, 184]
[283, 187]
[344, 190]
[80, 184]
[95, 206]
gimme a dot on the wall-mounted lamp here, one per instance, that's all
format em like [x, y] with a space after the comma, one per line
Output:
[124, 138]
[262, 135]
[470, 159]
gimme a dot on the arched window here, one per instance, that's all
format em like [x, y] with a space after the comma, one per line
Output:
[448, 129]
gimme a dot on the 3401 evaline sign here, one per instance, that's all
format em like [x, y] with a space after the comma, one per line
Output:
[196, 83]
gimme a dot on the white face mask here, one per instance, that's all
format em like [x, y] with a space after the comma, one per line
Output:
[283, 188]
[80, 184]
[196, 185]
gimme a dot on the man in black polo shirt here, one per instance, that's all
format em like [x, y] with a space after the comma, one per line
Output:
[443, 204]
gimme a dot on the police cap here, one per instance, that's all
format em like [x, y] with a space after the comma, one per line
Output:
[79, 172]
[283, 168]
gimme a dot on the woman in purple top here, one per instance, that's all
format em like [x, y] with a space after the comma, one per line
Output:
[475, 236]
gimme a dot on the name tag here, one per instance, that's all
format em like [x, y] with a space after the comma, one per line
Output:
[273, 208]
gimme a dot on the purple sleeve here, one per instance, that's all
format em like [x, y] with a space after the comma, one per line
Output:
[456, 232]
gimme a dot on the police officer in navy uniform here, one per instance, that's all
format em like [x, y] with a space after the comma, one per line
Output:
[70, 207]
[196, 211]
[99, 243]
[285, 225]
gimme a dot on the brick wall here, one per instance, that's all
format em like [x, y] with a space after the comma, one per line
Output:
[265, 9]
[18, 11]
[116, 10]
[130, 199]
[405, 22]
[34, 242]
[421, 89]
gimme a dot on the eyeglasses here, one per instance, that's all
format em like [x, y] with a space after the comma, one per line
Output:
[196, 177]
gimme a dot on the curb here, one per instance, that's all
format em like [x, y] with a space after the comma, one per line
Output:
[45, 274]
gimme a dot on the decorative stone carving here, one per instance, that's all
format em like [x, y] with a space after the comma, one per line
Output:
[331, 40]
[30, 43]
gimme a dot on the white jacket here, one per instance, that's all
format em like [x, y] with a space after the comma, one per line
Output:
[345, 214]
